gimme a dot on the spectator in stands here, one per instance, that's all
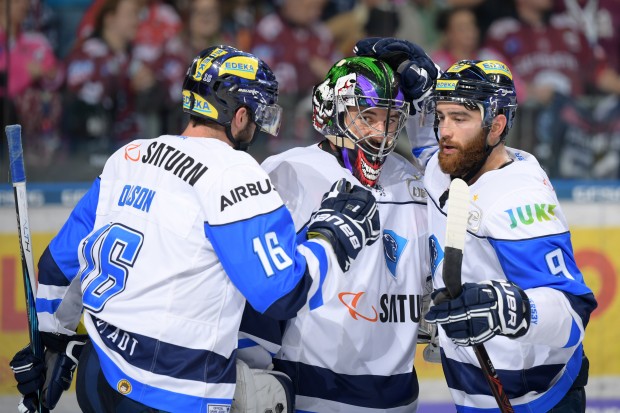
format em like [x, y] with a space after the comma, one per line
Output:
[100, 100]
[368, 18]
[460, 40]
[299, 48]
[30, 83]
[417, 22]
[549, 56]
[158, 23]
[559, 65]
[486, 11]
[203, 27]
[600, 22]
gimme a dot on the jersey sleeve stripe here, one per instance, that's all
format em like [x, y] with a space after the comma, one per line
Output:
[64, 246]
[466, 378]
[575, 335]
[319, 252]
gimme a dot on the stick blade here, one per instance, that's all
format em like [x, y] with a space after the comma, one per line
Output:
[458, 212]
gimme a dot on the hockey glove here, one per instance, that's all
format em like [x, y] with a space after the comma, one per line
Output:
[417, 71]
[482, 311]
[29, 372]
[348, 219]
[52, 376]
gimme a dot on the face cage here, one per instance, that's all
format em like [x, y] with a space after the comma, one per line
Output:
[428, 115]
[373, 149]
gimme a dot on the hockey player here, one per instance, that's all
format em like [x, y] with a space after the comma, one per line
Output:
[523, 295]
[355, 351]
[168, 244]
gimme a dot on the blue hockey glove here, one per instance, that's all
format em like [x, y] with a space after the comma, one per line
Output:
[52, 376]
[348, 219]
[417, 71]
[482, 311]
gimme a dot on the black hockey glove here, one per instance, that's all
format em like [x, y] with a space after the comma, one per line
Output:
[482, 311]
[52, 376]
[417, 71]
[348, 219]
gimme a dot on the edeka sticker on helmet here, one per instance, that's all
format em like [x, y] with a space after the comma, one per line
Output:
[457, 67]
[446, 84]
[241, 66]
[494, 67]
[203, 64]
[200, 105]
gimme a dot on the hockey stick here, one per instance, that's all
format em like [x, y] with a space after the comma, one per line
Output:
[18, 179]
[458, 212]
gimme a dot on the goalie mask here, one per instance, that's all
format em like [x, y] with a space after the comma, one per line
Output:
[361, 109]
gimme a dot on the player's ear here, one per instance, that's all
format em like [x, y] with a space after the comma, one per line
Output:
[497, 127]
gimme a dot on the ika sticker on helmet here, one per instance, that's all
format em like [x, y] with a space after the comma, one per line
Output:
[446, 84]
[202, 106]
[495, 67]
[203, 64]
[241, 66]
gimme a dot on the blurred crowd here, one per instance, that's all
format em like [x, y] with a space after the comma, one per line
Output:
[84, 77]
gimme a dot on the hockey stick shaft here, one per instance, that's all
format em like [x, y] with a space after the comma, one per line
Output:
[458, 211]
[18, 179]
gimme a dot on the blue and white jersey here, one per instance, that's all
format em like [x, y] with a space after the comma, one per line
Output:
[516, 231]
[162, 253]
[354, 351]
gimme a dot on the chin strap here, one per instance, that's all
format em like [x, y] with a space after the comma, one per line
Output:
[240, 146]
[487, 152]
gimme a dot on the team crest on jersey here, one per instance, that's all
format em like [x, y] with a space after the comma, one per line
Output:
[393, 246]
[123, 386]
[436, 253]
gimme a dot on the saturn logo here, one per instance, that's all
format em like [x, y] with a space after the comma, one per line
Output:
[132, 156]
[351, 300]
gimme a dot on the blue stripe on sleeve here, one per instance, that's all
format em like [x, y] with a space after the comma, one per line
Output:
[47, 306]
[469, 379]
[419, 150]
[525, 263]
[575, 334]
[64, 246]
[317, 299]
[260, 256]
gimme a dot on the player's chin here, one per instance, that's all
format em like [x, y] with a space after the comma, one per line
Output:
[449, 162]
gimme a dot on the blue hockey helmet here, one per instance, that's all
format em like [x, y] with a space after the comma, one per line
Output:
[222, 79]
[484, 84]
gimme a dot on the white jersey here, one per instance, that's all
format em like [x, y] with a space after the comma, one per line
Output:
[163, 252]
[355, 352]
[516, 231]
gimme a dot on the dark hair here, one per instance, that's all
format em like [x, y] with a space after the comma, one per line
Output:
[444, 16]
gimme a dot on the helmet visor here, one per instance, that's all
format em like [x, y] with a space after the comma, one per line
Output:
[268, 118]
